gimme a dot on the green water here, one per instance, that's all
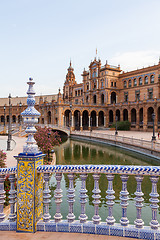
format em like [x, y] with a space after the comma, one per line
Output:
[77, 152]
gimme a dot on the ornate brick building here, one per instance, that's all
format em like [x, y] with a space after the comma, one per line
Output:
[105, 92]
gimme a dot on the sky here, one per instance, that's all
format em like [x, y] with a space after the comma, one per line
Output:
[39, 37]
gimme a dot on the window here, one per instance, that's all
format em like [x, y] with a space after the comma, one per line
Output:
[111, 84]
[115, 84]
[87, 99]
[130, 83]
[94, 84]
[146, 80]
[137, 95]
[152, 78]
[125, 84]
[94, 99]
[140, 81]
[87, 86]
[78, 92]
[81, 92]
[75, 93]
[125, 96]
[150, 93]
[76, 101]
[135, 82]
[102, 84]
[102, 73]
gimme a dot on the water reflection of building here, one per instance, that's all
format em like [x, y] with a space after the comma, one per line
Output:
[79, 152]
[105, 92]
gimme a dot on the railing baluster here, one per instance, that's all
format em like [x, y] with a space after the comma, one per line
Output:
[124, 198]
[46, 198]
[110, 197]
[96, 218]
[83, 217]
[2, 197]
[154, 202]
[58, 197]
[12, 216]
[71, 199]
[139, 202]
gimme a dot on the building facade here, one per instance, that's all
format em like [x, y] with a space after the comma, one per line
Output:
[106, 92]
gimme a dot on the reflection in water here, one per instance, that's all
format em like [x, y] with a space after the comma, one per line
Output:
[76, 152]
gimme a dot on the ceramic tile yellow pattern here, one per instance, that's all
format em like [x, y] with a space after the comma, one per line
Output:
[38, 191]
[25, 196]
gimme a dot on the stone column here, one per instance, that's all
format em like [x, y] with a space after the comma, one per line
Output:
[81, 127]
[97, 121]
[104, 121]
[89, 123]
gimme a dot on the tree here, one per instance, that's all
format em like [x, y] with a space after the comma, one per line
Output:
[46, 139]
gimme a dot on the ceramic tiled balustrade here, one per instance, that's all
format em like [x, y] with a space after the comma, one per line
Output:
[110, 227]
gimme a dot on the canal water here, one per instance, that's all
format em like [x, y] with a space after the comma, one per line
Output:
[83, 152]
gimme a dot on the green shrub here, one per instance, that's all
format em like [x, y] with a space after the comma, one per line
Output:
[124, 125]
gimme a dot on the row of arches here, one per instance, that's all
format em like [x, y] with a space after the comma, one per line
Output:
[84, 120]
[134, 115]
[14, 119]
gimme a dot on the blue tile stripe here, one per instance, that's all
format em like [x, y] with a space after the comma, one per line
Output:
[100, 229]
[114, 169]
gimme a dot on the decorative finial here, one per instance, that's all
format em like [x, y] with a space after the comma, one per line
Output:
[70, 63]
[30, 117]
[59, 90]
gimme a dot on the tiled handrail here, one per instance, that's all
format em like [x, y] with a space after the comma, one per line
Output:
[138, 230]
[111, 169]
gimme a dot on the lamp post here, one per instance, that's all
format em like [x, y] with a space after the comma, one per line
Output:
[4, 130]
[153, 137]
[49, 134]
[91, 124]
[9, 126]
[116, 118]
[20, 127]
[70, 117]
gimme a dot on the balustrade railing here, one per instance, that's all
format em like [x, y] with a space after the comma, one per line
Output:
[94, 225]
[133, 141]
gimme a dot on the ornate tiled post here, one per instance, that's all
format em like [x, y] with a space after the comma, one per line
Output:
[124, 201]
[58, 198]
[83, 217]
[71, 197]
[12, 198]
[2, 197]
[96, 195]
[139, 202]
[29, 182]
[154, 202]
[110, 200]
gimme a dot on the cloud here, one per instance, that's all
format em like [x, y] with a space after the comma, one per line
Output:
[133, 60]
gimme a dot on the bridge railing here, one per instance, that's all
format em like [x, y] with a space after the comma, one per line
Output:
[94, 226]
[131, 141]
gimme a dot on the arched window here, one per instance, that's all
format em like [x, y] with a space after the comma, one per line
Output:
[146, 80]
[125, 84]
[87, 99]
[135, 82]
[94, 99]
[152, 78]
[140, 81]
[102, 98]
[87, 86]
[130, 83]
